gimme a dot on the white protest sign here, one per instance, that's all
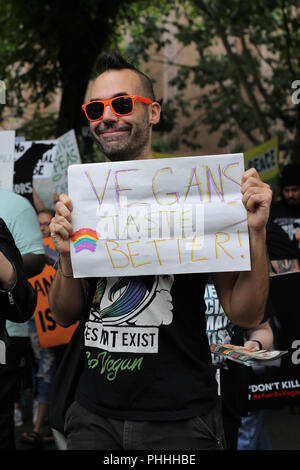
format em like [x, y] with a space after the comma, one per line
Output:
[33, 167]
[43, 165]
[178, 215]
[7, 148]
[39, 155]
[67, 154]
[42, 174]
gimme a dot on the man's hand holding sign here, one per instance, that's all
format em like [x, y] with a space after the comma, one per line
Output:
[256, 197]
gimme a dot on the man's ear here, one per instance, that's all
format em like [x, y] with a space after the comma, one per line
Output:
[154, 112]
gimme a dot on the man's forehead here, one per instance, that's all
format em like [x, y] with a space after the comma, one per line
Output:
[44, 215]
[116, 83]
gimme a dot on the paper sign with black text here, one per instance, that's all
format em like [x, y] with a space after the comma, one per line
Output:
[265, 159]
[33, 159]
[67, 153]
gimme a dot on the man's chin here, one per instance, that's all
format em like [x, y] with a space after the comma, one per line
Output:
[115, 153]
[292, 202]
[112, 150]
[117, 157]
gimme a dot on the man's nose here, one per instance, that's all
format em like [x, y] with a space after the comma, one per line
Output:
[109, 115]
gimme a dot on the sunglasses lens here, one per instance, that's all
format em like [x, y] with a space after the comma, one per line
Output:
[122, 105]
[94, 110]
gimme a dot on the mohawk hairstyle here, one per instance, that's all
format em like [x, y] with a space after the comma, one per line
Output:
[114, 61]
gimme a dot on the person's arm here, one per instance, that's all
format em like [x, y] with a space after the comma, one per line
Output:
[7, 273]
[28, 238]
[260, 337]
[33, 264]
[38, 203]
[285, 265]
[17, 296]
[66, 295]
[243, 295]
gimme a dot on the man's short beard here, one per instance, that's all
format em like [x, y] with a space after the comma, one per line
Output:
[292, 202]
[133, 148]
[112, 154]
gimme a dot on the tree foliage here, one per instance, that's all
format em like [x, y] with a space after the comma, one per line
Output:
[247, 59]
[53, 46]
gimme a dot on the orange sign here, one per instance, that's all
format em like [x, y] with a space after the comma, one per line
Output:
[49, 332]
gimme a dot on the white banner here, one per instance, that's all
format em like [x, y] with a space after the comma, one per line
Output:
[67, 154]
[43, 165]
[166, 216]
[7, 149]
[33, 167]
[38, 155]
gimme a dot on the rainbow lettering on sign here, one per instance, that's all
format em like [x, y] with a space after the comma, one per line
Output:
[85, 239]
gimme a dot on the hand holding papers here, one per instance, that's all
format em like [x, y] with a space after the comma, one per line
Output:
[242, 355]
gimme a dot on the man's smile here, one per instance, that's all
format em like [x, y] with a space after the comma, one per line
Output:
[112, 132]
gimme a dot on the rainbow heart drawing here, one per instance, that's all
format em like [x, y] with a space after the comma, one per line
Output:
[85, 239]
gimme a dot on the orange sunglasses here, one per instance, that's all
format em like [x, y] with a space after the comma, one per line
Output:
[121, 106]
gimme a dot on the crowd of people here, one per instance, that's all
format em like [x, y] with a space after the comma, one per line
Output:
[176, 397]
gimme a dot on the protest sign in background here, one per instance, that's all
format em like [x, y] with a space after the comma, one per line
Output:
[265, 159]
[42, 166]
[159, 216]
[7, 148]
[278, 384]
[33, 159]
[49, 332]
[67, 153]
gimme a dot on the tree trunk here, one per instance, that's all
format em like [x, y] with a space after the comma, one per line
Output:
[71, 115]
[80, 47]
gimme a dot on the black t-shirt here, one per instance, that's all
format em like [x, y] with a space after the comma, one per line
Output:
[279, 244]
[147, 353]
[287, 217]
